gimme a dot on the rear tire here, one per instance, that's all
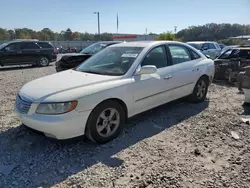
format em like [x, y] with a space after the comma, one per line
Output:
[200, 90]
[43, 61]
[105, 122]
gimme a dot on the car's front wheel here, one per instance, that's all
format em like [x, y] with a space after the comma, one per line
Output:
[105, 122]
[43, 61]
[200, 90]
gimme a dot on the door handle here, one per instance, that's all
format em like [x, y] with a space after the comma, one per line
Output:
[167, 77]
[19, 52]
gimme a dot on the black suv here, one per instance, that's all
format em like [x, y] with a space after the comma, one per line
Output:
[20, 52]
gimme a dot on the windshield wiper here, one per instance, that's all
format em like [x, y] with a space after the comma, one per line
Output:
[101, 73]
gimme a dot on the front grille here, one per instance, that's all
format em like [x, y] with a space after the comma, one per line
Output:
[22, 104]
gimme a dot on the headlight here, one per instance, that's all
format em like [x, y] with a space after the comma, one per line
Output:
[56, 108]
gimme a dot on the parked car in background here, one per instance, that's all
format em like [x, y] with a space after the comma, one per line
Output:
[20, 52]
[222, 46]
[117, 83]
[231, 62]
[211, 49]
[71, 60]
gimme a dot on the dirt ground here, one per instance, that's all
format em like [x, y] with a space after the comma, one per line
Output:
[176, 145]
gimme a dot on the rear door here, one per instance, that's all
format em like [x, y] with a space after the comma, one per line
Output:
[185, 69]
[30, 51]
[12, 54]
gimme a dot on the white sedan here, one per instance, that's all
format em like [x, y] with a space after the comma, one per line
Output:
[119, 82]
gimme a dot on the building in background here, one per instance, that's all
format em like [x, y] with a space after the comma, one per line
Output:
[133, 37]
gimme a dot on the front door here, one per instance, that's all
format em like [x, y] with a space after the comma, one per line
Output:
[30, 51]
[151, 90]
[12, 54]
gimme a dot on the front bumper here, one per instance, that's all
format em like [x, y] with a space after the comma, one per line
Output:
[62, 126]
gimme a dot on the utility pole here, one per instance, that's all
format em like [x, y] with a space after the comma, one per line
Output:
[98, 20]
[146, 32]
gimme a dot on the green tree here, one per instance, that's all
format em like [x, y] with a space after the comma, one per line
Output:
[68, 34]
[12, 34]
[166, 36]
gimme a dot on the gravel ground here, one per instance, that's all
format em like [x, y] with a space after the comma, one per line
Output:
[175, 145]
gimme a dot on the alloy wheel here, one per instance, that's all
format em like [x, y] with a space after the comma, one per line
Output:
[108, 122]
[201, 89]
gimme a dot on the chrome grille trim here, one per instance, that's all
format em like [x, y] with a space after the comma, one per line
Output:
[23, 104]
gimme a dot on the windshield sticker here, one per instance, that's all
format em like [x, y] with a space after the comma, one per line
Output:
[129, 55]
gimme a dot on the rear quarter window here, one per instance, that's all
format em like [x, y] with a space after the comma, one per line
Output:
[45, 45]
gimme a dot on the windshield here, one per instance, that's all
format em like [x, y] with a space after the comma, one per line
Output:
[226, 54]
[93, 48]
[195, 45]
[111, 61]
[3, 45]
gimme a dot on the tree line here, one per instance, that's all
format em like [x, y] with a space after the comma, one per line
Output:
[47, 34]
[214, 32]
[210, 31]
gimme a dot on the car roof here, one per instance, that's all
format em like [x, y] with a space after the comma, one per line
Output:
[109, 42]
[19, 41]
[143, 43]
[200, 42]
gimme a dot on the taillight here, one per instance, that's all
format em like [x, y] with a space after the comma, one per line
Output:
[55, 51]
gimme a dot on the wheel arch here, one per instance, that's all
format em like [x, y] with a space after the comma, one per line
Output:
[205, 76]
[119, 101]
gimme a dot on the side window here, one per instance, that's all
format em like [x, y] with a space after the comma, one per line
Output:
[211, 46]
[45, 45]
[157, 57]
[29, 46]
[205, 46]
[217, 46]
[179, 54]
[12, 47]
[194, 54]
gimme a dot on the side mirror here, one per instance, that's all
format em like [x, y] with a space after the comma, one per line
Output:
[147, 69]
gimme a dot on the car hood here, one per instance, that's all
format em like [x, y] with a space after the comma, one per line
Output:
[65, 56]
[40, 89]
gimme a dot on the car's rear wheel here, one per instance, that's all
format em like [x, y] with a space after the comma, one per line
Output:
[43, 61]
[200, 90]
[105, 122]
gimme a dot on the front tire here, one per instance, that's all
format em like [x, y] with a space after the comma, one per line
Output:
[105, 122]
[200, 90]
[43, 61]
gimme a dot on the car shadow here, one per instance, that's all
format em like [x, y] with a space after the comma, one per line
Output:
[225, 83]
[40, 161]
[20, 67]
